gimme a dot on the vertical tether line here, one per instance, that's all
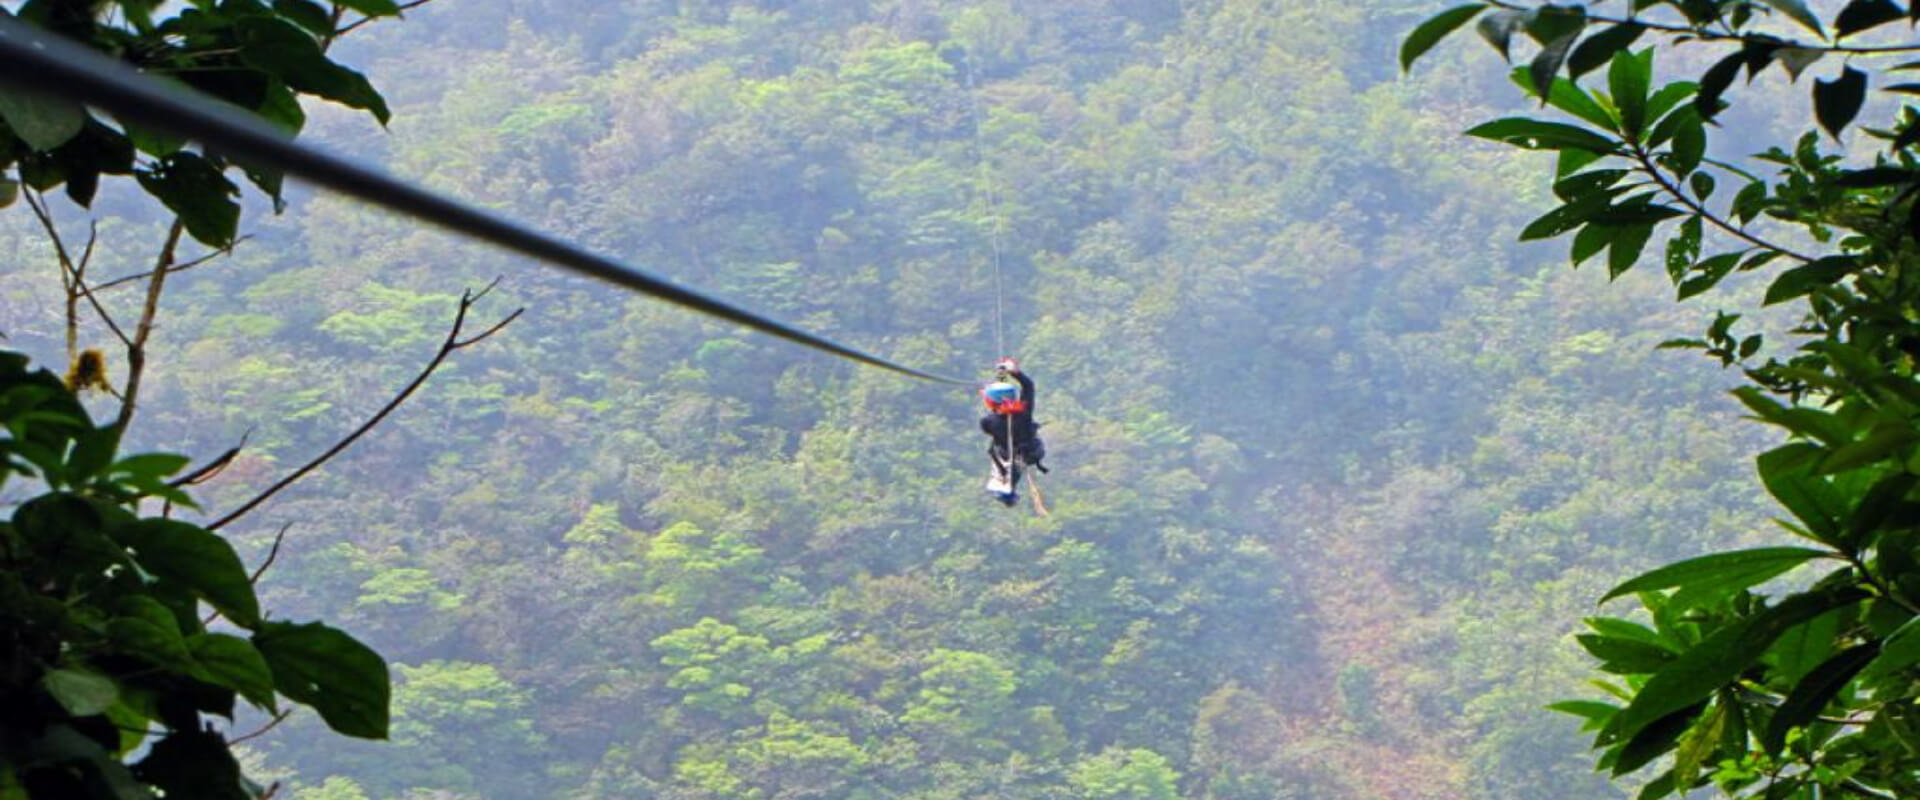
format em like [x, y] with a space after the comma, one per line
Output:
[993, 208]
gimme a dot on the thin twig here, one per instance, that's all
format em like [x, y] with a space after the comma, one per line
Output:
[452, 343]
[73, 276]
[79, 279]
[1653, 171]
[137, 349]
[41, 213]
[277, 719]
[1730, 36]
[404, 7]
[272, 553]
[173, 270]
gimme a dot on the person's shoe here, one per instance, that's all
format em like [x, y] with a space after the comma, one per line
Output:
[1007, 499]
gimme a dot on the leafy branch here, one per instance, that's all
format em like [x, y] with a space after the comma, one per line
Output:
[1698, 209]
[1731, 33]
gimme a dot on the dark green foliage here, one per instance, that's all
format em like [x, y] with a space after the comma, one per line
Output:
[254, 56]
[104, 637]
[1806, 695]
[126, 634]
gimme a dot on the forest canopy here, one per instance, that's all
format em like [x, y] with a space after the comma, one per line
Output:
[1337, 469]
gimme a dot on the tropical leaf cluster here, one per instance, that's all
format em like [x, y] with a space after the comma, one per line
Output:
[1803, 686]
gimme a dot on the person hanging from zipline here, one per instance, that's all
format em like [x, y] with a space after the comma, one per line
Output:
[1009, 421]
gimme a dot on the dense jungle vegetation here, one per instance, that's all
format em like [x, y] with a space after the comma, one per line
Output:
[1338, 469]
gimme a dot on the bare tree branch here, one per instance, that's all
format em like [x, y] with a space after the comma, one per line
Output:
[272, 553]
[339, 32]
[275, 722]
[72, 274]
[182, 267]
[137, 349]
[452, 343]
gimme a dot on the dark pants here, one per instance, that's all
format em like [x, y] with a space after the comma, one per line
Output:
[1030, 448]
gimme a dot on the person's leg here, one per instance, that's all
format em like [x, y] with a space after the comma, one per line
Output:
[1033, 452]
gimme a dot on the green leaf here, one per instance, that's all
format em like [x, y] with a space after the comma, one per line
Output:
[1669, 97]
[1601, 47]
[1697, 744]
[1683, 249]
[373, 8]
[1813, 693]
[1796, 60]
[1653, 740]
[1624, 656]
[1808, 277]
[192, 188]
[1798, 11]
[1594, 712]
[1883, 441]
[1723, 571]
[1498, 28]
[1546, 64]
[1629, 78]
[1836, 102]
[324, 668]
[1563, 94]
[1878, 506]
[198, 560]
[1689, 143]
[193, 763]
[1720, 658]
[233, 662]
[1714, 83]
[1657, 788]
[1860, 15]
[1702, 184]
[1711, 272]
[1429, 33]
[1800, 650]
[80, 692]
[1567, 217]
[1900, 651]
[1576, 186]
[43, 121]
[1536, 134]
[284, 51]
[93, 450]
[1590, 241]
[1788, 474]
[1750, 201]
[1877, 177]
[1626, 248]
[1550, 23]
[152, 142]
[307, 14]
[150, 640]
[280, 107]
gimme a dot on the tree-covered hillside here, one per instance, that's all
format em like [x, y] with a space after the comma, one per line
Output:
[1336, 469]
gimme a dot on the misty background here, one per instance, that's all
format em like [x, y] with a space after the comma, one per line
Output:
[1337, 466]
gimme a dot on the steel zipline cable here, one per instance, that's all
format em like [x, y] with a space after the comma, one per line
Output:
[35, 60]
